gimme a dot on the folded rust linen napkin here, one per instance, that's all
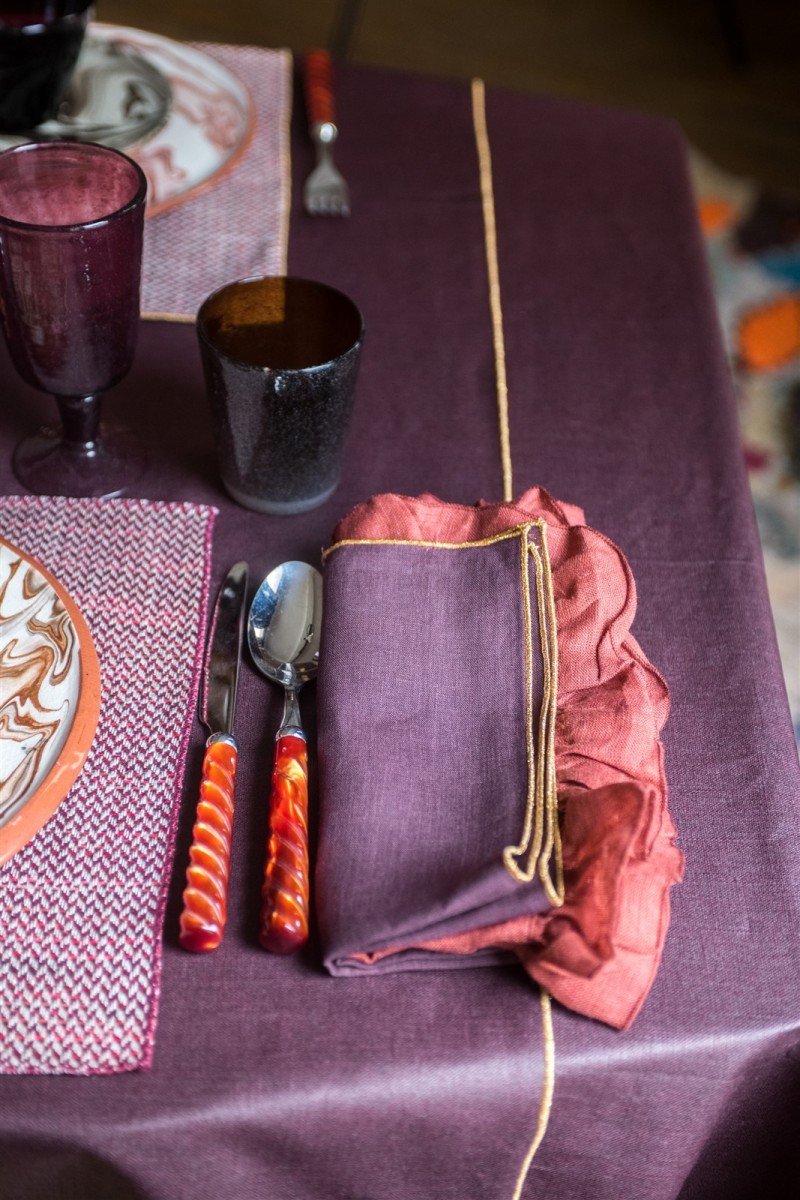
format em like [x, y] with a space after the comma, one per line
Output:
[491, 775]
[82, 904]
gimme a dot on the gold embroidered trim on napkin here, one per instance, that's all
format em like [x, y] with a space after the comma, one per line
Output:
[541, 839]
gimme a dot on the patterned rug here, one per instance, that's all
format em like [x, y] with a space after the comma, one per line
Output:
[753, 241]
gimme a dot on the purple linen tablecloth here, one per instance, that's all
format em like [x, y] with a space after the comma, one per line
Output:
[271, 1079]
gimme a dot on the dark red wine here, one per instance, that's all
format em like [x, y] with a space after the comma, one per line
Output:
[38, 12]
[71, 219]
[39, 46]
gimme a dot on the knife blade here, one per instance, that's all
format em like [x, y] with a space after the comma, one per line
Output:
[205, 898]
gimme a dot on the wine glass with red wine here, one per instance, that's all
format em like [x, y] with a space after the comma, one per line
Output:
[71, 225]
[40, 41]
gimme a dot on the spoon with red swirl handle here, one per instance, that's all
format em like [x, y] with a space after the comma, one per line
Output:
[283, 632]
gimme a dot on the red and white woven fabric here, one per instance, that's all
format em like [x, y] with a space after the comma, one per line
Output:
[82, 905]
[239, 225]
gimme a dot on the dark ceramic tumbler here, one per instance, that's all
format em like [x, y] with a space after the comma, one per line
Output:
[280, 358]
[40, 41]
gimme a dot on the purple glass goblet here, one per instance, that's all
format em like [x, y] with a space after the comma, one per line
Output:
[71, 224]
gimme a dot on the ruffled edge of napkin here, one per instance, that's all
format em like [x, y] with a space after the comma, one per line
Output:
[598, 952]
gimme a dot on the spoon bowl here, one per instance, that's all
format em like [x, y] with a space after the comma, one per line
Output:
[283, 626]
[283, 632]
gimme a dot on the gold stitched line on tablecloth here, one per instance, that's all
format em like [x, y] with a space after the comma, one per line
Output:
[490, 234]
[548, 1085]
[553, 840]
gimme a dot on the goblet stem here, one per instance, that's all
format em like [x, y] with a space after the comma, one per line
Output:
[80, 420]
[83, 458]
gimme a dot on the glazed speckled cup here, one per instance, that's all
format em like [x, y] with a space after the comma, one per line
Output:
[280, 359]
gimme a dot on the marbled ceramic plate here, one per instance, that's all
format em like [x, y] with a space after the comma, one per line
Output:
[49, 696]
[182, 115]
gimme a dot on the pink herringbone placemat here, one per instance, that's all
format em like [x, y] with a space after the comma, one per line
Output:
[238, 225]
[82, 905]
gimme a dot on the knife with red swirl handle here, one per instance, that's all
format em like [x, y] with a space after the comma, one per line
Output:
[205, 899]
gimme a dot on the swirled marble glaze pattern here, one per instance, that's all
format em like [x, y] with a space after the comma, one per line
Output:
[179, 112]
[116, 97]
[40, 679]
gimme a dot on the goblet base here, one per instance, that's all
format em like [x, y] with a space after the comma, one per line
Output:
[47, 465]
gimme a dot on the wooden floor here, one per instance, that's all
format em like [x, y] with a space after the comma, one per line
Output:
[727, 70]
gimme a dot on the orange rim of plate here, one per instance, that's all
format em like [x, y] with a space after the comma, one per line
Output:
[41, 806]
[203, 185]
[236, 155]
